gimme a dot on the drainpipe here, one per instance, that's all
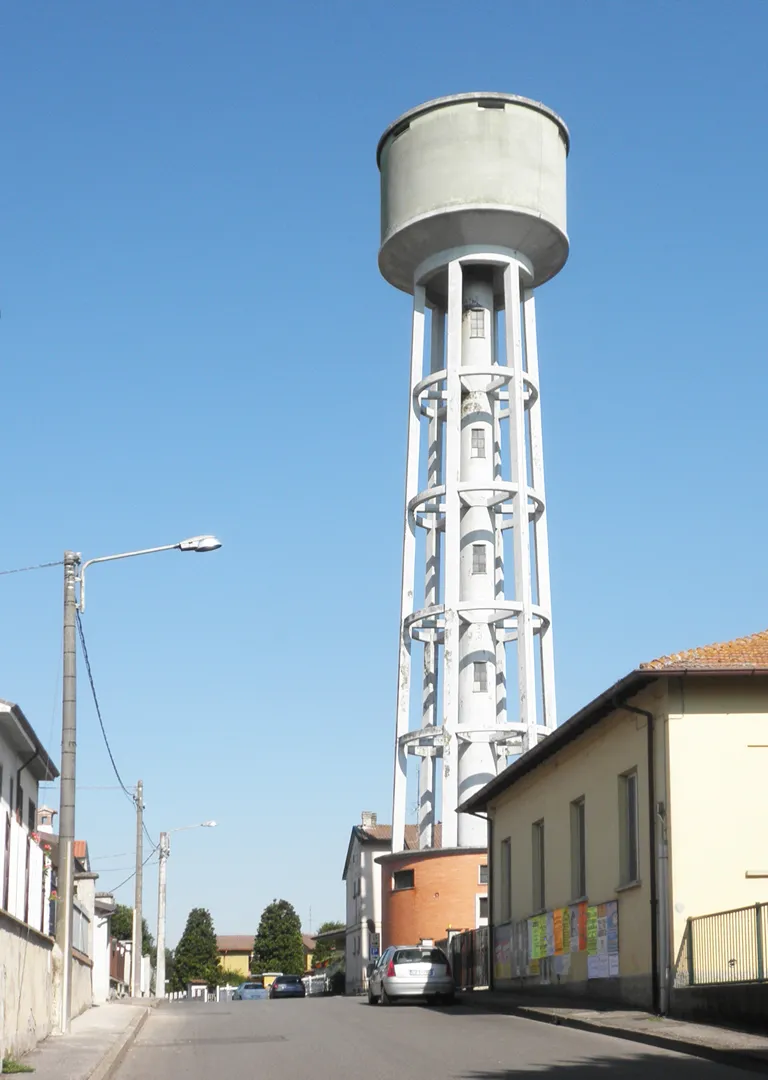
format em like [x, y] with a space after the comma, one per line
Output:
[19, 807]
[658, 1005]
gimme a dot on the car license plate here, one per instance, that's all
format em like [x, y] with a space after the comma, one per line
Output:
[415, 971]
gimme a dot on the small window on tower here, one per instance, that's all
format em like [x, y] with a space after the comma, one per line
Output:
[478, 559]
[477, 322]
[480, 684]
[478, 443]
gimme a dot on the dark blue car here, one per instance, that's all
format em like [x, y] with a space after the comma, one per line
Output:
[286, 986]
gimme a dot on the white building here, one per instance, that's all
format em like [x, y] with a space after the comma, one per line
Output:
[362, 874]
[26, 946]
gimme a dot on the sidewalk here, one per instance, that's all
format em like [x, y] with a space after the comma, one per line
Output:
[723, 1045]
[94, 1046]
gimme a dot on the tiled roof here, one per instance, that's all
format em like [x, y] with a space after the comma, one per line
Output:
[383, 834]
[309, 942]
[79, 849]
[744, 652]
[235, 943]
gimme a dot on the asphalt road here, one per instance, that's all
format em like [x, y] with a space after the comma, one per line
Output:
[345, 1039]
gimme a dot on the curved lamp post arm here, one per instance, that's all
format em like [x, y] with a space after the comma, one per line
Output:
[195, 543]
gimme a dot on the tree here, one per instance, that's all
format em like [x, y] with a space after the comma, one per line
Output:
[122, 928]
[323, 950]
[278, 945]
[196, 955]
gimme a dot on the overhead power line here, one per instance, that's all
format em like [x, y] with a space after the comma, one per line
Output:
[84, 647]
[133, 875]
[39, 566]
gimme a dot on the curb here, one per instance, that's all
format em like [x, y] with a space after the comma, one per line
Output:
[737, 1059]
[113, 1058]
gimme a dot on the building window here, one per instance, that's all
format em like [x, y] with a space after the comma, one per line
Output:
[31, 816]
[480, 678]
[481, 910]
[19, 803]
[478, 559]
[478, 442]
[482, 874]
[402, 879]
[628, 823]
[578, 851]
[506, 880]
[539, 890]
[477, 323]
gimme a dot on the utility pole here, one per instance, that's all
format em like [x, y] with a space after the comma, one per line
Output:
[66, 870]
[165, 851]
[137, 919]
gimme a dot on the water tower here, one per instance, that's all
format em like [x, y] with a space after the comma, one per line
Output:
[472, 221]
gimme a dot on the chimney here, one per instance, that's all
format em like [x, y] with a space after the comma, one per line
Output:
[368, 819]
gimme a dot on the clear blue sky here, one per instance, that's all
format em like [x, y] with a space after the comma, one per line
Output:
[195, 337]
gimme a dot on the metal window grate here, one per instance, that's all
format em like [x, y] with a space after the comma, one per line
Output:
[480, 677]
[479, 559]
[478, 443]
[477, 323]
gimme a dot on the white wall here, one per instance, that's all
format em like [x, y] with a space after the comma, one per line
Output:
[363, 903]
[100, 926]
[26, 989]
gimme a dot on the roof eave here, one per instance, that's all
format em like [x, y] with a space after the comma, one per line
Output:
[591, 714]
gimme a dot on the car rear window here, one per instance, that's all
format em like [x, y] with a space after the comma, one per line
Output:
[252, 986]
[288, 979]
[420, 956]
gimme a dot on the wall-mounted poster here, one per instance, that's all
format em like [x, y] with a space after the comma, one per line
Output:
[592, 931]
[557, 918]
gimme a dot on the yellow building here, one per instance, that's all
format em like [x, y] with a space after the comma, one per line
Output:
[643, 810]
[235, 951]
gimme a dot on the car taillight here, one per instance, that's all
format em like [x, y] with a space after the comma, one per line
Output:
[391, 970]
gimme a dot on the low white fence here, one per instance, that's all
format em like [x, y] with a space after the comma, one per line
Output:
[316, 984]
[24, 874]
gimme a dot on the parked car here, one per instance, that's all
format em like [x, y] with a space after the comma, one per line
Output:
[411, 971]
[286, 986]
[250, 991]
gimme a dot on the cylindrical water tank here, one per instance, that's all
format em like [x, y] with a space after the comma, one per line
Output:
[481, 169]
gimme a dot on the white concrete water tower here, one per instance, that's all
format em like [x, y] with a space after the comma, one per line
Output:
[472, 221]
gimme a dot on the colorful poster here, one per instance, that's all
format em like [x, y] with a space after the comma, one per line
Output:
[549, 925]
[531, 942]
[602, 931]
[582, 927]
[558, 924]
[534, 967]
[566, 930]
[592, 933]
[598, 967]
[613, 965]
[573, 919]
[612, 927]
[502, 953]
[563, 965]
[538, 937]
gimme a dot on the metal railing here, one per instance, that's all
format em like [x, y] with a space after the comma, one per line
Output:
[470, 958]
[725, 947]
[80, 927]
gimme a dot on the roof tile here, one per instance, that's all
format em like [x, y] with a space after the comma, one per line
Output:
[744, 652]
[235, 943]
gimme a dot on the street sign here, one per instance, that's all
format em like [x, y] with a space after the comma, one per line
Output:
[373, 947]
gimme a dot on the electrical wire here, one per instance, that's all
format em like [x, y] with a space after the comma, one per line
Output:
[84, 647]
[131, 795]
[133, 875]
[39, 566]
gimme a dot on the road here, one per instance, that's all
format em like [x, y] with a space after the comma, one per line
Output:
[346, 1039]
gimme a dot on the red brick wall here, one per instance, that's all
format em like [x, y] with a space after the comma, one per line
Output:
[442, 897]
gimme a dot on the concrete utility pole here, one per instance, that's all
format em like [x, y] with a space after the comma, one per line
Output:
[165, 851]
[66, 869]
[137, 921]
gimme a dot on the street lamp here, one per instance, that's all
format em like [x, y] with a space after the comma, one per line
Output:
[165, 851]
[73, 603]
